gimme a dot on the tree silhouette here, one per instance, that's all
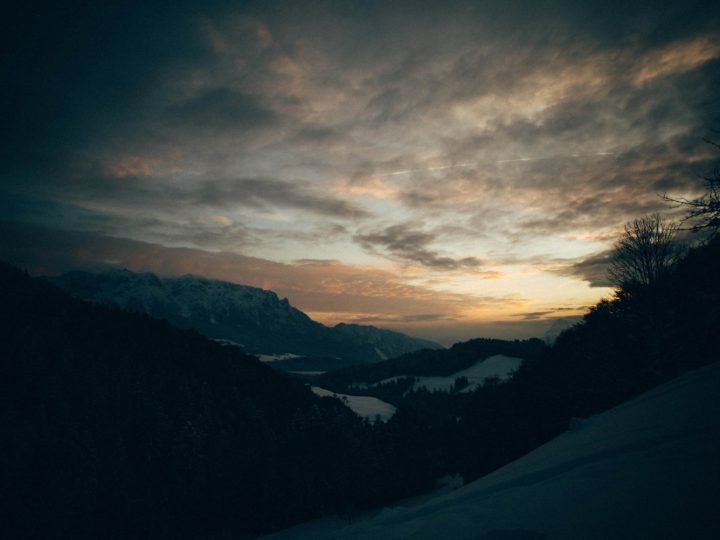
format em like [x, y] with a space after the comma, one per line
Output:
[646, 250]
[703, 213]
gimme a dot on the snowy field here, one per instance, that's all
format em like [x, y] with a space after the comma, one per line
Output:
[365, 406]
[649, 468]
[499, 366]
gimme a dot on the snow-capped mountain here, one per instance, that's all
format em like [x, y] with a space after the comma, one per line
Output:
[254, 318]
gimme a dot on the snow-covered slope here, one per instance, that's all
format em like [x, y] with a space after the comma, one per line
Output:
[649, 468]
[498, 365]
[365, 406]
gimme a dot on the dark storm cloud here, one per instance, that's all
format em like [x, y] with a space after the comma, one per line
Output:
[165, 194]
[593, 269]
[157, 226]
[204, 230]
[409, 244]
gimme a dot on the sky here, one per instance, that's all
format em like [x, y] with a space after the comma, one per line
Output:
[448, 169]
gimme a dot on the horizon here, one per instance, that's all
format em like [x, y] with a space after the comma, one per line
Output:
[449, 171]
[441, 340]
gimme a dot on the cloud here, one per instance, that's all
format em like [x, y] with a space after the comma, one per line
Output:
[678, 58]
[450, 138]
[419, 317]
[551, 313]
[198, 227]
[592, 269]
[262, 192]
[118, 190]
[323, 288]
[406, 243]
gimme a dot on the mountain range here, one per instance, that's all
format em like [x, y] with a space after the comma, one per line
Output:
[118, 425]
[256, 319]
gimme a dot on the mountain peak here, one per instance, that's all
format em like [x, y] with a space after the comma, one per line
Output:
[257, 318]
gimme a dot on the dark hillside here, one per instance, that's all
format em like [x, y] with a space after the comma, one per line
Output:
[116, 425]
[623, 347]
[643, 337]
[442, 362]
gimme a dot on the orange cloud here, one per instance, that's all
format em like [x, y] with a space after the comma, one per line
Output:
[139, 165]
[324, 288]
[678, 58]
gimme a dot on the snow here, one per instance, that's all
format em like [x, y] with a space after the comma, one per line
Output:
[228, 342]
[365, 406]
[276, 357]
[494, 366]
[649, 468]
[499, 366]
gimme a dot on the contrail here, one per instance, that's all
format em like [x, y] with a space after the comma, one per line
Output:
[439, 168]
[472, 164]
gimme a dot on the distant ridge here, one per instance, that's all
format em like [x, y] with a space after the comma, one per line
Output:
[438, 362]
[391, 379]
[254, 318]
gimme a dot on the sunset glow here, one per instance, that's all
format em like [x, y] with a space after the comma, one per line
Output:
[452, 171]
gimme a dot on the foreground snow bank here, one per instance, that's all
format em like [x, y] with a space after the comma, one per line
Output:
[649, 468]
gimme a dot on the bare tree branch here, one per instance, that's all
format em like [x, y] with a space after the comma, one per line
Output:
[703, 213]
[645, 252]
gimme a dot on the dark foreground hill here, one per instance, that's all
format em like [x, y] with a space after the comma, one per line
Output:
[117, 425]
[648, 468]
[439, 362]
[254, 318]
